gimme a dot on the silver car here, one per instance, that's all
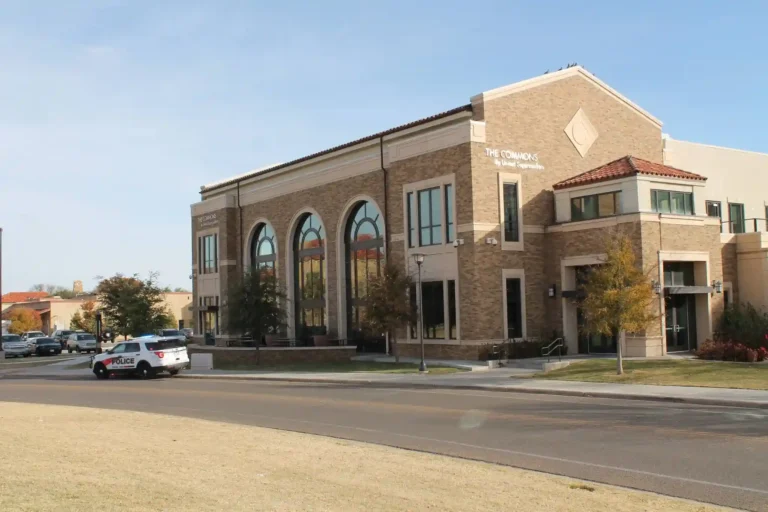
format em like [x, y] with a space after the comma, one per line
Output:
[14, 346]
[82, 342]
[30, 336]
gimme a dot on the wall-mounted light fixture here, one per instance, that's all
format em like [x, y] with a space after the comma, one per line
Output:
[491, 241]
[552, 291]
[718, 286]
[458, 242]
[656, 287]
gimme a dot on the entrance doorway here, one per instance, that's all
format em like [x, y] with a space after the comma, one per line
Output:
[681, 323]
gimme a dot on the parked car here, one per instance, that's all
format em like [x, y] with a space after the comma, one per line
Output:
[188, 333]
[30, 336]
[61, 336]
[47, 347]
[145, 357]
[173, 334]
[14, 346]
[82, 342]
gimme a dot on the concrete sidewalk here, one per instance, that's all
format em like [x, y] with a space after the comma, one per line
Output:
[504, 380]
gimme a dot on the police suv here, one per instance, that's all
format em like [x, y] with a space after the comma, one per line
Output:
[145, 357]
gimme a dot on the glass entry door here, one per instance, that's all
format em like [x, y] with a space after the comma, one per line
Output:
[681, 323]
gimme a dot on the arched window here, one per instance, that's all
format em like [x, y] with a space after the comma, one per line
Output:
[309, 276]
[364, 239]
[263, 245]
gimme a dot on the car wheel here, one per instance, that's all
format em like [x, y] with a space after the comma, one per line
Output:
[101, 371]
[173, 372]
[145, 371]
[27, 355]
[77, 349]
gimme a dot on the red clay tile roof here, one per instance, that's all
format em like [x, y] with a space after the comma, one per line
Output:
[22, 296]
[623, 167]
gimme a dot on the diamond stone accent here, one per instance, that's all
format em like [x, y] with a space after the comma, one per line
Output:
[581, 132]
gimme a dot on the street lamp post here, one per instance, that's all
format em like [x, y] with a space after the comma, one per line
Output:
[419, 259]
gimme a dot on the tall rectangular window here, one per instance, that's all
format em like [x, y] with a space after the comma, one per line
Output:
[430, 228]
[714, 209]
[736, 217]
[595, 206]
[452, 309]
[667, 201]
[514, 309]
[209, 254]
[511, 215]
[411, 205]
[449, 227]
[433, 310]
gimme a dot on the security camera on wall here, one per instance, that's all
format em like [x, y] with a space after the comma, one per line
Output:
[458, 242]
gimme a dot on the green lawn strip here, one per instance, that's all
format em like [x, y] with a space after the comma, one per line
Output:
[354, 366]
[78, 366]
[714, 374]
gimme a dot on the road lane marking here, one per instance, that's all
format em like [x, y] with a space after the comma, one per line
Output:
[480, 447]
[457, 414]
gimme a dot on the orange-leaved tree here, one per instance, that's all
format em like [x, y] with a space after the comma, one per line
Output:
[23, 320]
[618, 295]
[387, 304]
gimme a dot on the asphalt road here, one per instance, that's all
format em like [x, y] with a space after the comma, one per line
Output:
[712, 454]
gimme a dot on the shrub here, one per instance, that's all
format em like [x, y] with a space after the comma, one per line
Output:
[711, 350]
[745, 323]
[730, 351]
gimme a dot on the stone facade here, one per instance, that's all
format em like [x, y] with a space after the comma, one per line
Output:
[459, 150]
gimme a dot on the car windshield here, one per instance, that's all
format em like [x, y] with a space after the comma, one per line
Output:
[45, 341]
[10, 338]
[171, 332]
[36, 335]
[66, 333]
[85, 337]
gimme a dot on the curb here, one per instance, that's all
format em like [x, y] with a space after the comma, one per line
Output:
[480, 387]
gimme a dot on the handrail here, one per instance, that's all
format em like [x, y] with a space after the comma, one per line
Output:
[742, 224]
[557, 344]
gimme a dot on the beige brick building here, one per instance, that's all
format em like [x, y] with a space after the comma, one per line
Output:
[509, 198]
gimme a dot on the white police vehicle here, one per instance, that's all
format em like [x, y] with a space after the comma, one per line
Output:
[145, 357]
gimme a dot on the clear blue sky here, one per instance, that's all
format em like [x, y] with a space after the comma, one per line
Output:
[113, 113]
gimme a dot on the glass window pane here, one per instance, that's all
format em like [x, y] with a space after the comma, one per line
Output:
[664, 202]
[688, 204]
[433, 310]
[425, 237]
[654, 201]
[576, 212]
[411, 224]
[511, 214]
[437, 237]
[617, 202]
[452, 309]
[590, 207]
[434, 199]
[449, 213]
[424, 208]
[514, 309]
[606, 205]
[678, 202]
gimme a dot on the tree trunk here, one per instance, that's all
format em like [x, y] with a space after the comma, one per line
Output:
[619, 355]
[394, 347]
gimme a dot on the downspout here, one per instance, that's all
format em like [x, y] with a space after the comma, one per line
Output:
[240, 233]
[386, 200]
[386, 216]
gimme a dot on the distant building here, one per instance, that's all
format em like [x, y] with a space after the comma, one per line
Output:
[77, 287]
[11, 298]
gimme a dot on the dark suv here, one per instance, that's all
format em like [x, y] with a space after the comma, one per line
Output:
[61, 337]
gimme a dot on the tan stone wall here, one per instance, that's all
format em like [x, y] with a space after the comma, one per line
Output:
[730, 267]
[266, 357]
[534, 121]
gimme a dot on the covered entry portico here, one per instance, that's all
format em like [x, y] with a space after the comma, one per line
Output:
[685, 301]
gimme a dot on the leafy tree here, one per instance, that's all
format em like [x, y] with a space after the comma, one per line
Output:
[618, 296]
[170, 321]
[53, 290]
[179, 289]
[388, 307]
[133, 306]
[255, 305]
[87, 320]
[22, 320]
